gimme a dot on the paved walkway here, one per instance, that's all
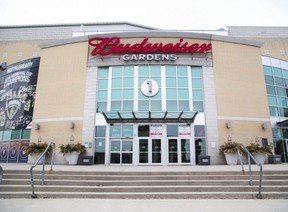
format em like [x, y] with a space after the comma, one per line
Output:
[153, 205]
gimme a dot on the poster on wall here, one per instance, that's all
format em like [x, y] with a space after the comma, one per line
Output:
[4, 151]
[156, 130]
[184, 130]
[17, 94]
[13, 152]
[22, 158]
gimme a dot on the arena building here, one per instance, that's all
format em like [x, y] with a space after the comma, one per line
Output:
[136, 95]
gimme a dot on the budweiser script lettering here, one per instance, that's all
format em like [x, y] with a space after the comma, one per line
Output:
[107, 46]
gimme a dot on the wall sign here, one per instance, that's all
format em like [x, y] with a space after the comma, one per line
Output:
[145, 50]
[17, 94]
[149, 87]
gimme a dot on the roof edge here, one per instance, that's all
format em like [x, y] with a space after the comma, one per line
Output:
[155, 33]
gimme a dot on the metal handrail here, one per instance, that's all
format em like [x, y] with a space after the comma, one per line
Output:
[259, 195]
[43, 156]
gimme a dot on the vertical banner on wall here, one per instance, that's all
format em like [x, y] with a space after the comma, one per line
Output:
[4, 151]
[22, 158]
[13, 152]
[17, 94]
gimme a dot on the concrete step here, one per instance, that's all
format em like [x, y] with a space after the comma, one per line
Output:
[144, 185]
[156, 195]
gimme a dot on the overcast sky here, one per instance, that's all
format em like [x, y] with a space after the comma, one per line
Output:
[163, 14]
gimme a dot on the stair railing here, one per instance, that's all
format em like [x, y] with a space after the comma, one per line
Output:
[42, 158]
[259, 195]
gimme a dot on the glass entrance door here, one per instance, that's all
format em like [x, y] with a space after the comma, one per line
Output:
[179, 151]
[150, 151]
[121, 151]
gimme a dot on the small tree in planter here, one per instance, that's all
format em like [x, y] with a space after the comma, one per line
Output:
[36, 149]
[72, 152]
[259, 152]
[230, 151]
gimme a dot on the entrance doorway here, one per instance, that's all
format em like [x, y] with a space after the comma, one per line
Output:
[179, 151]
[150, 151]
[121, 151]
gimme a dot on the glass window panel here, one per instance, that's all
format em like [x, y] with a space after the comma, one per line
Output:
[267, 70]
[281, 91]
[115, 158]
[117, 83]
[127, 158]
[7, 135]
[141, 80]
[183, 94]
[128, 82]
[1, 135]
[115, 105]
[279, 81]
[182, 71]
[199, 131]
[128, 105]
[100, 145]
[273, 111]
[157, 96]
[286, 83]
[127, 131]
[128, 71]
[277, 72]
[15, 134]
[276, 133]
[197, 95]
[100, 131]
[269, 80]
[196, 72]
[116, 71]
[144, 71]
[101, 107]
[197, 83]
[103, 73]
[170, 71]
[115, 131]
[102, 84]
[128, 94]
[102, 95]
[127, 146]
[143, 131]
[158, 80]
[172, 130]
[171, 82]
[184, 105]
[272, 100]
[182, 82]
[116, 94]
[270, 90]
[281, 102]
[99, 158]
[285, 111]
[155, 71]
[198, 106]
[171, 105]
[171, 93]
[143, 105]
[141, 95]
[156, 105]
[285, 74]
[281, 111]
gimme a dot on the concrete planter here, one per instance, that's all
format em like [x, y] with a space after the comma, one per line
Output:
[260, 158]
[72, 157]
[231, 158]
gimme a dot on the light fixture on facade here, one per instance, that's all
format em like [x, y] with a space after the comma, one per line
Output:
[72, 125]
[228, 125]
[264, 126]
[3, 66]
[37, 126]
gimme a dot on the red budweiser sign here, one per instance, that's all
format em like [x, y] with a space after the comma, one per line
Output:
[107, 46]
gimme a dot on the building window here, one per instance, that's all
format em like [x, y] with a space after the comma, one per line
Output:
[277, 90]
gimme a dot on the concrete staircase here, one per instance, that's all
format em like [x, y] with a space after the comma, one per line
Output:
[145, 185]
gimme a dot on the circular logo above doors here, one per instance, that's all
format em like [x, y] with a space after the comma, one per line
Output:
[149, 87]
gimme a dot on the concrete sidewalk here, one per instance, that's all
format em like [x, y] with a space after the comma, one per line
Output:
[116, 168]
[167, 205]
